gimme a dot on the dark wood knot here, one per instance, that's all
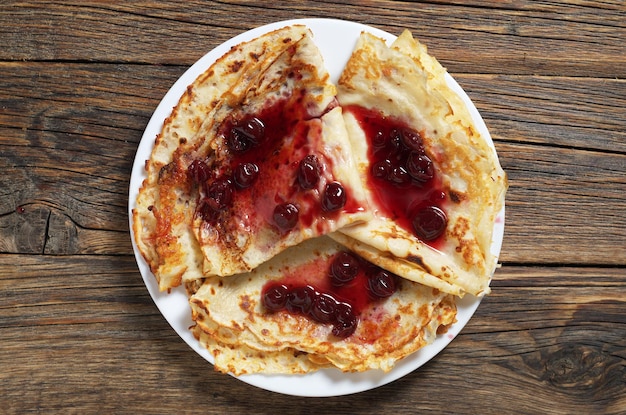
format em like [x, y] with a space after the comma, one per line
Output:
[580, 367]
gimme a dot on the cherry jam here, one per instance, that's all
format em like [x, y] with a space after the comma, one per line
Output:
[403, 176]
[271, 169]
[333, 291]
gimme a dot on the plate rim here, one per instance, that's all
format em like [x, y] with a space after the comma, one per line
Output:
[338, 383]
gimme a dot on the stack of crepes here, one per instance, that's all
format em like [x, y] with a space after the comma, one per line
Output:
[265, 172]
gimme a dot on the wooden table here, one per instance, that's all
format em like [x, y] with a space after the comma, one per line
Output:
[79, 332]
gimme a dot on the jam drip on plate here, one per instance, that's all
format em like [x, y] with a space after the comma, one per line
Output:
[402, 176]
[334, 292]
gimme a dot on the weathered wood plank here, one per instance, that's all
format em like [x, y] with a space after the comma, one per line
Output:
[89, 320]
[563, 206]
[495, 37]
[67, 148]
[100, 100]
[585, 113]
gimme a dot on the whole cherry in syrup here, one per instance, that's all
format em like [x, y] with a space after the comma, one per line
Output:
[245, 174]
[429, 223]
[219, 194]
[275, 297]
[344, 268]
[198, 171]
[346, 321]
[246, 134]
[420, 167]
[300, 299]
[309, 172]
[334, 197]
[286, 216]
[412, 140]
[324, 308]
[399, 176]
[382, 284]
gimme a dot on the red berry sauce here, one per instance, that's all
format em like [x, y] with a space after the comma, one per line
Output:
[403, 177]
[272, 170]
[332, 291]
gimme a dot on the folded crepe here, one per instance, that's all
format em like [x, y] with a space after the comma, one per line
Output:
[245, 337]
[436, 203]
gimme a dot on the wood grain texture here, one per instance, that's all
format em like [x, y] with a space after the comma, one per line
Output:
[79, 332]
[500, 37]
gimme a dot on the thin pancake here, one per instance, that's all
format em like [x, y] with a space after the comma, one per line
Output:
[245, 79]
[230, 313]
[403, 83]
[294, 100]
[239, 359]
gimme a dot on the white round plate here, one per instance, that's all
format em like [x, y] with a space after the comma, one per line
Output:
[336, 40]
